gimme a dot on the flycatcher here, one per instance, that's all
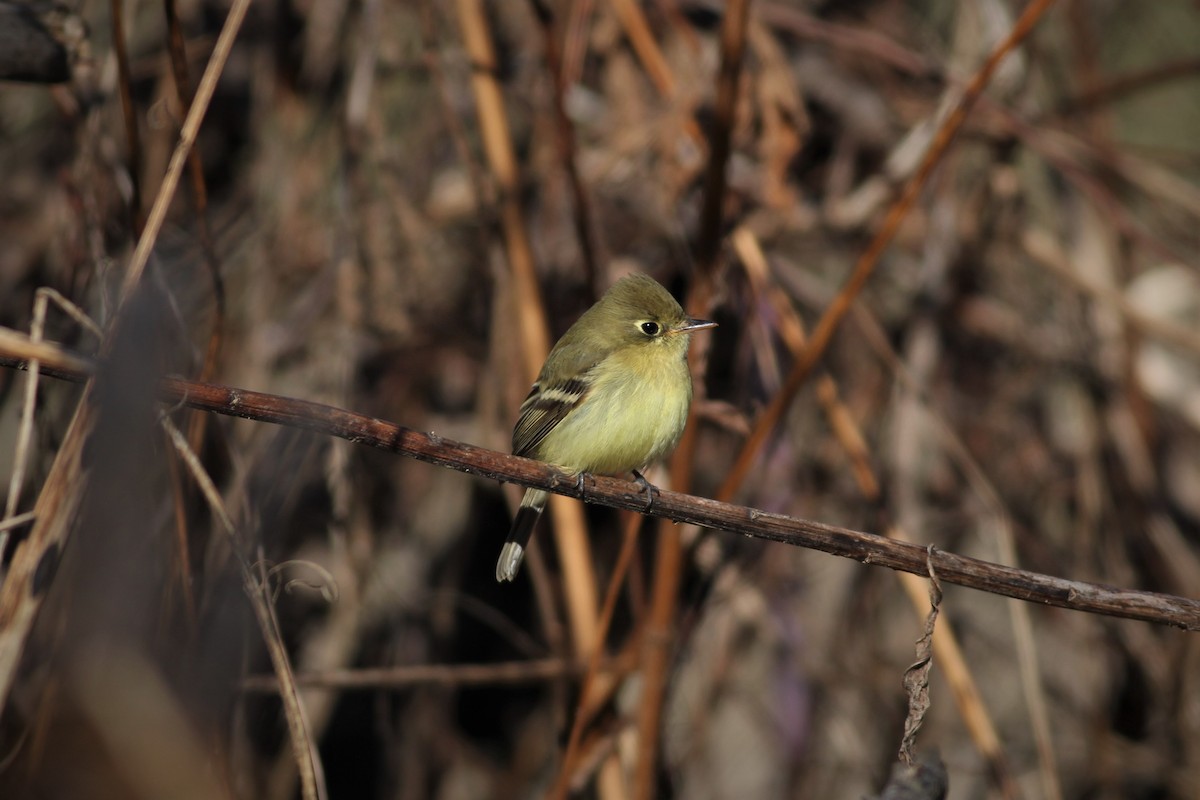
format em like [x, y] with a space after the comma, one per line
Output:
[612, 397]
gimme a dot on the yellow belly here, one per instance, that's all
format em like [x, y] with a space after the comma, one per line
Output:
[628, 420]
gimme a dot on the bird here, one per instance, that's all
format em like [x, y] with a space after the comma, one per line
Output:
[611, 398]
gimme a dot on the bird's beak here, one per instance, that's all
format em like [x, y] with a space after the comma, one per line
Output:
[694, 325]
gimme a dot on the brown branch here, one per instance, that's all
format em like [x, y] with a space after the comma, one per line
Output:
[868, 548]
[133, 138]
[1122, 86]
[187, 138]
[196, 424]
[564, 140]
[501, 156]
[637, 30]
[566, 769]
[510, 673]
[208, 249]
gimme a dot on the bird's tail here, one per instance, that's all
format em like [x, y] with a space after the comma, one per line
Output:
[518, 537]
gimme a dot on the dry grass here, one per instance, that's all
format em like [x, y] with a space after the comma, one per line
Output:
[406, 202]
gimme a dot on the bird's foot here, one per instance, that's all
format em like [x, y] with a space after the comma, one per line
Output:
[649, 488]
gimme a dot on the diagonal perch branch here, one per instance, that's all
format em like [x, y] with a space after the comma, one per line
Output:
[867, 548]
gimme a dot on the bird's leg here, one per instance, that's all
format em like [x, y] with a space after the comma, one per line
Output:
[640, 479]
[579, 487]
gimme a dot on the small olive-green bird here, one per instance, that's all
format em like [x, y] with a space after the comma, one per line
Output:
[611, 398]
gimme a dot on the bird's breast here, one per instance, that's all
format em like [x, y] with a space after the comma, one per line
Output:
[634, 414]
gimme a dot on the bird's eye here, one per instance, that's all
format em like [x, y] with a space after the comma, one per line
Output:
[651, 328]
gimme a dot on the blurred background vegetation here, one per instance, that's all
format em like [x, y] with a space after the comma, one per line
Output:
[1022, 375]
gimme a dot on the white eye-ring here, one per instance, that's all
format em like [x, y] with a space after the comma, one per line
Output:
[650, 328]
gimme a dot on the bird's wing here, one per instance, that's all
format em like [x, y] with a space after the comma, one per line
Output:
[562, 385]
[545, 407]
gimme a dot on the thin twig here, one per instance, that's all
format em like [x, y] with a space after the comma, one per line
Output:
[1165, 609]
[187, 138]
[208, 249]
[121, 49]
[506, 673]
[1121, 86]
[17, 521]
[431, 56]
[565, 140]
[304, 749]
[42, 299]
[25, 428]
[501, 156]
[637, 29]
[632, 524]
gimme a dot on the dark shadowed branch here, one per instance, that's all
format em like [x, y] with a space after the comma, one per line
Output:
[867, 548]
